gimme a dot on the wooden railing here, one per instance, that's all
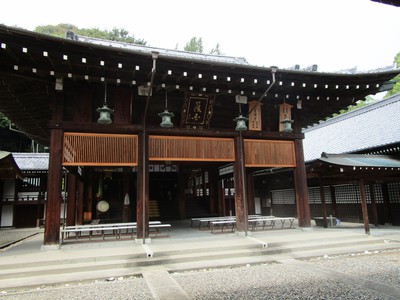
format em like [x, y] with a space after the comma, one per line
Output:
[269, 153]
[177, 148]
[89, 149]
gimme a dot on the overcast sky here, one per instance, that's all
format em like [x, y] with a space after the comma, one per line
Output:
[334, 34]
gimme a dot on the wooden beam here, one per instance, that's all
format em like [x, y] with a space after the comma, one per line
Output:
[71, 203]
[373, 204]
[300, 184]
[142, 203]
[240, 187]
[364, 205]
[53, 208]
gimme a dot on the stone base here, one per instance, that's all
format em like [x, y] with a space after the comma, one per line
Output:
[140, 241]
[50, 247]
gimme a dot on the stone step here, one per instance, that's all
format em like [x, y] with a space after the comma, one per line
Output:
[175, 256]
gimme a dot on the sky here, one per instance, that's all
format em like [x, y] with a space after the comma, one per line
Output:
[333, 34]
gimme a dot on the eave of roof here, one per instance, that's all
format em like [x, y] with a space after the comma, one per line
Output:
[361, 160]
[8, 166]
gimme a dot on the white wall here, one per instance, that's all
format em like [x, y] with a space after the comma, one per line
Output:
[7, 215]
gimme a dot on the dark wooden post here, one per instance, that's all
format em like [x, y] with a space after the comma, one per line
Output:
[213, 188]
[142, 209]
[364, 205]
[323, 202]
[79, 202]
[240, 186]
[89, 195]
[250, 193]
[221, 197]
[386, 204]
[126, 207]
[373, 204]
[71, 203]
[53, 207]
[300, 184]
[333, 197]
[182, 181]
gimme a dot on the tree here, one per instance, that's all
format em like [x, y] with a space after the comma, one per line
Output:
[120, 35]
[194, 45]
[216, 50]
[396, 87]
[4, 122]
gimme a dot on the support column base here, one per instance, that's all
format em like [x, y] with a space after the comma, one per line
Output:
[50, 247]
[140, 241]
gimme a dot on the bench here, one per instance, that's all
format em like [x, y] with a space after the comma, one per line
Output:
[208, 220]
[116, 229]
[157, 228]
[222, 224]
[263, 221]
[283, 221]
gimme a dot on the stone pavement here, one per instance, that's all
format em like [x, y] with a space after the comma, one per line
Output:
[159, 278]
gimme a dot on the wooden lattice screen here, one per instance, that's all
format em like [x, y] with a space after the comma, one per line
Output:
[267, 153]
[176, 148]
[89, 149]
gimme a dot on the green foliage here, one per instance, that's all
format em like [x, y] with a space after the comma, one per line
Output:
[396, 87]
[194, 45]
[359, 104]
[4, 122]
[120, 35]
[216, 50]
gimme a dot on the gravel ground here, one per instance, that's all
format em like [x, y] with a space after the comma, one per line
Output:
[267, 281]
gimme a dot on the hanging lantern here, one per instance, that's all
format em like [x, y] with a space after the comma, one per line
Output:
[105, 112]
[166, 116]
[166, 119]
[287, 124]
[241, 123]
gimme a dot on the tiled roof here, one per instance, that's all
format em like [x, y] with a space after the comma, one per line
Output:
[372, 126]
[163, 51]
[361, 160]
[32, 161]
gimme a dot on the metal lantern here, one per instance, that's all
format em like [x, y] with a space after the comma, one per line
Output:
[241, 123]
[166, 115]
[105, 112]
[166, 119]
[287, 125]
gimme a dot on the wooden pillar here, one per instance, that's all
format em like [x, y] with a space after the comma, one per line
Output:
[213, 188]
[79, 202]
[364, 205]
[373, 204]
[240, 186]
[250, 193]
[300, 184]
[71, 203]
[182, 182]
[89, 195]
[53, 207]
[126, 206]
[323, 202]
[142, 203]
[386, 204]
[221, 197]
[333, 198]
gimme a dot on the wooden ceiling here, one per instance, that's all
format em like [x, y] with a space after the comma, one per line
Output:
[30, 64]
